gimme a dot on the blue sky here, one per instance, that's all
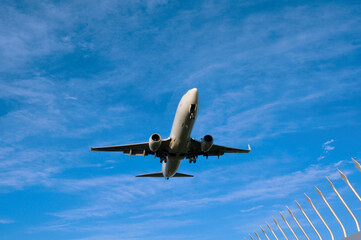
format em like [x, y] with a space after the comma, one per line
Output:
[282, 76]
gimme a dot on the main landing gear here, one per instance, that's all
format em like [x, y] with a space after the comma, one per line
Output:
[192, 159]
[163, 159]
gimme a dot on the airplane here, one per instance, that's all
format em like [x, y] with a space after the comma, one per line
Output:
[179, 144]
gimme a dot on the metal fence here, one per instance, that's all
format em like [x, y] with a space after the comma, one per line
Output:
[355, 236]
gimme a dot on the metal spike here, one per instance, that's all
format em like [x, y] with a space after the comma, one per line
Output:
[344, 178]
[257, 236]
[298, 224]
[288, 225]
[251, 236]
[280, 229]
[264, 233]
[357, 164]
[272, 231]
[309, 221]
[334, 214]
[319, 215]
[344, 203]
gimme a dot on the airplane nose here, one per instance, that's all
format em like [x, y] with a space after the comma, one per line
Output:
[194, 92]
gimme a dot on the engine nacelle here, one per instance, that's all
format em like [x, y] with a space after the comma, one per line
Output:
[155, 141]
[207, 142]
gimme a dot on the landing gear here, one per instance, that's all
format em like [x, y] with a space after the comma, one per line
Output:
[163, 159]
[192, 159]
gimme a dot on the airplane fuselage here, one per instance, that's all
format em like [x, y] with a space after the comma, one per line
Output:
[181, 131]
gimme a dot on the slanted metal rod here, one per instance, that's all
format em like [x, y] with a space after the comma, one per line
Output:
[298, 224]
[264, 233]
[319, 215]
[309, 221]
[344, 203]
[284, 219]
[344, 178]
[334, 214]
[283, 233]
[272, 231]
[257, 236]
[357, 164]
[251, 236]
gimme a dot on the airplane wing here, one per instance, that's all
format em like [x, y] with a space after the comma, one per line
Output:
[141, 149]
[216, 150]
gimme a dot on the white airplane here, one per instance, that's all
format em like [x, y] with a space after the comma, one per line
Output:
[179, 145]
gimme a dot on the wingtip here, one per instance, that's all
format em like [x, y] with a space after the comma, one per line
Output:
[249, 147]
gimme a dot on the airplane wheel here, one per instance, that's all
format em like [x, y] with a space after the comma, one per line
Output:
[194, 160]
[190, 161]
[161, 160]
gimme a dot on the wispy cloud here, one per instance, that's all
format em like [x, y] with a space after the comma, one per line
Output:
[326, 149]
[251, 209]
[79, 73]
[113, 194]
[6, 221]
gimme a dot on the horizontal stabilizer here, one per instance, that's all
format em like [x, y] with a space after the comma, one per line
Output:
[157, 174]
[182, 175]
[160, 174]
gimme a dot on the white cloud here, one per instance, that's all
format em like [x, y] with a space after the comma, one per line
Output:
[328, 142]
[326, 149]
[264, 65]
[6, 221]
[251, 209]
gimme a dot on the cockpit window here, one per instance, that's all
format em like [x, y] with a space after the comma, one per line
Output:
[192, 108]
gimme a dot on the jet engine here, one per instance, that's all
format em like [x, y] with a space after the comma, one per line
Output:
[207, 142]
[154, 142]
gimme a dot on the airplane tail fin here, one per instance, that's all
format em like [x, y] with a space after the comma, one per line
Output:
[160, 174]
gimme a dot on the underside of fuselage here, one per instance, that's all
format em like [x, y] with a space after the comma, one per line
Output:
[170, 167]
[181, 131]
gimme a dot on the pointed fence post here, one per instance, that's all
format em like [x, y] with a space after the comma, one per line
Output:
[288, 225]
[283, 233]
[334, 214]
[264, 233]
[344, 178]
[357, 164]
[344, 203]
[309, 221]
[272, 231]
[319, 215]
[257, 236]
[298, 224]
